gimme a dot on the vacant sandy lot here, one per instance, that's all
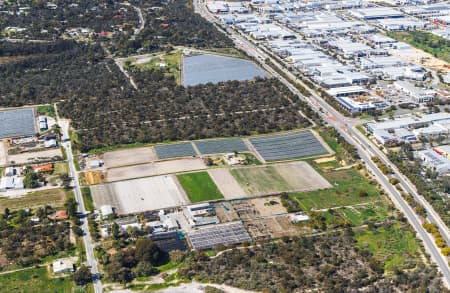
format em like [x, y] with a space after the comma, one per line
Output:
[35, 157]
[265, 209]
[129, 157]
[226, 183]
[421, 57]
[139, 195]
[301, 176]
[3, 153]
[154, 169]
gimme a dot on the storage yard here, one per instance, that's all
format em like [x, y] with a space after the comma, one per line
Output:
[139, 195]
[19, 122]
[288, 146]
[272, 179]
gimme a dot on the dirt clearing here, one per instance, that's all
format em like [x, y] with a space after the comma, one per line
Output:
[139, 195]
[129, 157]
[154, 169]
[35, 157]
[94, 177]
[226, 183]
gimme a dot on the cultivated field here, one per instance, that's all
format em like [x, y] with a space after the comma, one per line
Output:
[226, 183]
[139, 195]
[289, 177]
[34, 157]
[52, 197]
[199, 186]
[176, 150]
[19, 122]
[288, 146]
[153, 169]
[128, 157]
[218, 146]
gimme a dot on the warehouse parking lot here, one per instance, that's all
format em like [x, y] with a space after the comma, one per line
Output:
[139, 195]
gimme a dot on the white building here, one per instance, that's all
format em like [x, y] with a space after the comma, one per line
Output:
[418, 95]
[64, 265]
[431, 159]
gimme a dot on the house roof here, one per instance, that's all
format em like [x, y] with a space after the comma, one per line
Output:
[43, 168]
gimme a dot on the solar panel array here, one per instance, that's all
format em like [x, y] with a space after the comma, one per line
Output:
[17, 123]
[183, 149]
[226, 234]
[221, 146]
[288, 146]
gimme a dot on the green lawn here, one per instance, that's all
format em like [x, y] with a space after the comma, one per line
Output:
[260, 180]
[358, 215]
[48, 110]
[394, 246]
[347, 184]
[199, 186]
[34, 280]
[61, 168]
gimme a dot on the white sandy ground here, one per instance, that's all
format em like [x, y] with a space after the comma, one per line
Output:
[193, 287]
[226, 183]
[128, 157]
[28, 157]
[139, 195]
[154, 169]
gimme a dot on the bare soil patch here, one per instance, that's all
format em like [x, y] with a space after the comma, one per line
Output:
[226, 183]
[128, 157]
[154, 169]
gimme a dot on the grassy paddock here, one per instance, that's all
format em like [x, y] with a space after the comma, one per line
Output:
[61, 168]
[53, 197]
[199, 186]
[395, 246]
[347, 185]
[260, 180]
[35, 280]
